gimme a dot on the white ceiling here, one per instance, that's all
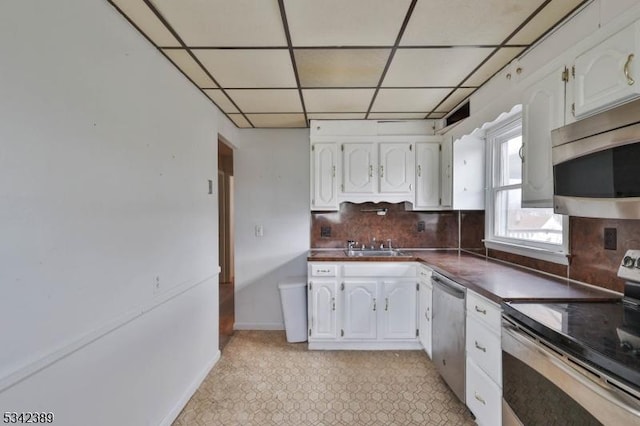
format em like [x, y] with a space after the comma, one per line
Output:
[280, 63]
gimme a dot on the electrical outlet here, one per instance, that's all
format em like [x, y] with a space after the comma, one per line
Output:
[325, 231]
[259, 230]
[421, 226]
[610, 239]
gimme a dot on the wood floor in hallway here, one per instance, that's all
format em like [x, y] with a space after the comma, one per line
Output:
[263, 380]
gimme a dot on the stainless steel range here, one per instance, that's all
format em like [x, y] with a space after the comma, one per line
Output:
[576, 362]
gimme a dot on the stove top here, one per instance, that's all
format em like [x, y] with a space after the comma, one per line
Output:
[605, 335]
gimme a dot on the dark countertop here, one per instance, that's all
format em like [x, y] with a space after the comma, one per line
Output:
[492, 279]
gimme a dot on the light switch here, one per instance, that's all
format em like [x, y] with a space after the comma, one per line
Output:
[259, 231]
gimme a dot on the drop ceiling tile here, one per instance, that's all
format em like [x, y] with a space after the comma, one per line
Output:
[240, 121]
[277, 120]
[340, 67]
[224, 22]
[408, 100]
[493, 65]
[345, 23]
[336, 116]
[545, 19]
[433, 67]
[397, 115]
[221, 100]
[249, 67]
[455, 99]
[190, 67]
[266, 100]
[464, 22]
[337, 100]
[147, 21]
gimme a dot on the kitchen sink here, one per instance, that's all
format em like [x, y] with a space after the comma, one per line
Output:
[375, 253]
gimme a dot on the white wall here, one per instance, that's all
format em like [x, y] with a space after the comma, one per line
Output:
[271, 174]
[105, 152]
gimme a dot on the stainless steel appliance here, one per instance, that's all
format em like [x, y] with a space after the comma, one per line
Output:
[574, 363]
[449, 332]
[595, 164]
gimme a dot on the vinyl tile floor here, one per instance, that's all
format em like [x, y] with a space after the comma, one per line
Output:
[263, 380]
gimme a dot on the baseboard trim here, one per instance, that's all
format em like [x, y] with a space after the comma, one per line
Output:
[193, 387]
[368, 346]
[258, 326]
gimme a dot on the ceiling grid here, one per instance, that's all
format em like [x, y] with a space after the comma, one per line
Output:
[281, 63]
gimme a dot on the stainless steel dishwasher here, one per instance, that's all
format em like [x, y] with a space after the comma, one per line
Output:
[449, 332]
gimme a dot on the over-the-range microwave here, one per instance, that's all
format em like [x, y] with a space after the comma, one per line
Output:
[596, 165]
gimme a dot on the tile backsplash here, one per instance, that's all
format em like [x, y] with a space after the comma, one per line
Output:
[589, 262]
[406, 228]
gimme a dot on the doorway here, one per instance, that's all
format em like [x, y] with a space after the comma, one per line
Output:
[225, 242]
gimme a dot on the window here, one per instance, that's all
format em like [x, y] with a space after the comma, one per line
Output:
[535, 232]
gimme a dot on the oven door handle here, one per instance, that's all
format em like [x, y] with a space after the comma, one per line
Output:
[609, 405]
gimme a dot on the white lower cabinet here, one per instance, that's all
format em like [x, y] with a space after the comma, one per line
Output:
[483, 395]
[368, 305]
[424, 309]
[399, 315]
[360, 300]
[483, 386]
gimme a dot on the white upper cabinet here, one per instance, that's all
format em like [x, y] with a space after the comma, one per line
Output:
[396, 167]
[607, 74]
[359, 167]
[469, 173]
[366, 161]
[427, 175]
[324, 183]
[543, 111]
[446, 173]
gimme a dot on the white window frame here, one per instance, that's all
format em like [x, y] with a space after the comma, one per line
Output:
[497, 133]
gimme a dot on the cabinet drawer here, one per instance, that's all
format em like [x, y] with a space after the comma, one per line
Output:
[484, 310]
[483, 347]
[484, 398]
[375, 269]
[323, 270]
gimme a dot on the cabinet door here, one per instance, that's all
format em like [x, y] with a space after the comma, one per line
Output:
[469, 173]
[358, 163]
[543, 111]
[360, 307]
[446, 173]
[324, 188]
[399, 309]
[322, 306]
[396, 169]
[427, 175]
[607, 74]
[424, 313]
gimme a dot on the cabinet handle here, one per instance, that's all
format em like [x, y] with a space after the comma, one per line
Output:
[419, 170]
[370, 170]
[333, 303]
[374, 303]
[630, 81]
[521, 152]
[386, 303]
[479, 398]
[426, 315]
[480, 347]
[381, 171]
[482, 311]
[333, 171]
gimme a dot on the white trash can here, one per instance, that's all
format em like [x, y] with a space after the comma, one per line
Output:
[293, 294]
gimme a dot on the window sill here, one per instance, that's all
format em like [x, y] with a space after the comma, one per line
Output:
[558, 257]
